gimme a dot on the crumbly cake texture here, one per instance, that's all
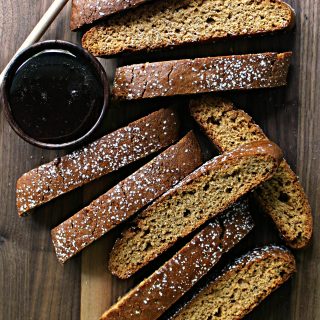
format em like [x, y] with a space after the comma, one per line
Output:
[282, 197]
[201, 75]
[169, 23]
[88, 11]
[113, 151]
[205, 193]
[126, 198]
[241, 286]
[152, 297]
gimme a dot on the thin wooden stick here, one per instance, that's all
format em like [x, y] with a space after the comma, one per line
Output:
[39, 29]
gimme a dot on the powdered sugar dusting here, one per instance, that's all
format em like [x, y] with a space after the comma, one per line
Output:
[191, 203]
[107, 154]
[259, 255]
[164, 287]
[200, 75]
[259, 147]
[255, 255]
[126, 198]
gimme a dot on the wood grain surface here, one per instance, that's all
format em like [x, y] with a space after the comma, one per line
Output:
[32, 283]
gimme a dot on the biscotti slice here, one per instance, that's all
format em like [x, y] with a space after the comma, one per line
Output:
[282, 197]
[88, 11]
[205, 193]
[213, 74]
[242, 286]
[170, 23]
[152, 297]
[113, 151]
[126, 198]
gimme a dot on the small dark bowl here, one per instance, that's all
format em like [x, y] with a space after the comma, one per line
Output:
[27, 54]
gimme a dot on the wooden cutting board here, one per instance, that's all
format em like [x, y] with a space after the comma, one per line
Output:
[32, 283]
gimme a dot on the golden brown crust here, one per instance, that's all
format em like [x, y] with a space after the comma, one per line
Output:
[201, 75]
[171, 23]
[164, 287]
[283, 197]
[88, 11]
[126, 198]
[179, 216]
[262, 258]
[113, 151]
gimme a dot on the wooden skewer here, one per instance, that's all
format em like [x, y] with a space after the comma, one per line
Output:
[39, 29]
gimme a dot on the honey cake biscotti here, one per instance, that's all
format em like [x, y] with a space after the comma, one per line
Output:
[201, 75]
[170, 23]
[85, 12]
[241, 286]
[282, 197]
[205, 193]
[113, 151]
[153, 296]
[126, 198]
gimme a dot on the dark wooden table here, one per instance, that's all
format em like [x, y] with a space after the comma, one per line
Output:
[32, 283]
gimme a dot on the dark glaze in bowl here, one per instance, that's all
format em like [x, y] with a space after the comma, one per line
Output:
[31, 52]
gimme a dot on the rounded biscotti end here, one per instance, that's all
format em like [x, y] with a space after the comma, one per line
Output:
[32, 187]
[285, 201]
[226, 126]
[264, 147]
[268, 251]
[304, 237]
[91, 41]
[293, 18]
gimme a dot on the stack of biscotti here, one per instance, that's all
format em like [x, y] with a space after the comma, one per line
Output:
[113, 151]
[204, 194]
[170, 198]
[162, 24]
[153, 296]
[201, 75]
[241, 286]
[282, 197]
[126, 198]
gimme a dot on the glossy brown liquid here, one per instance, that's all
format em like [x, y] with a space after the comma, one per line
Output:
[56, 97]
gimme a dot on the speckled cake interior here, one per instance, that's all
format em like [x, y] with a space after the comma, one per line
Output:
[185, 268]
[242, 286]
[174, 22]
[202, 195]
[127, 197]
[282, 197]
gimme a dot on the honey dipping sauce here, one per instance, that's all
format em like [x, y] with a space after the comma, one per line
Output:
[56, 97]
